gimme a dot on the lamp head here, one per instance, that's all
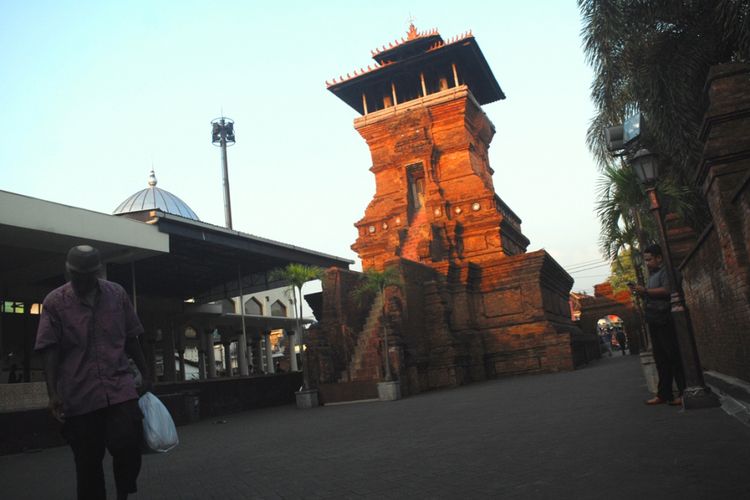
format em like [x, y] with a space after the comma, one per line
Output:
[646, 166]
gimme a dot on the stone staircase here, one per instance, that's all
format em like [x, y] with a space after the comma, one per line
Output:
[365, 362]
[416, 234]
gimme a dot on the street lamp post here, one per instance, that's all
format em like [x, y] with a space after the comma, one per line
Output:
[697, 394]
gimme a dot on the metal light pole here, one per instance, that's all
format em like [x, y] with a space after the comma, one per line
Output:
[223, 135]
[697, 394]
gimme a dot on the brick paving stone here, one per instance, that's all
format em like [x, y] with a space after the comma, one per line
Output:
[583, 434]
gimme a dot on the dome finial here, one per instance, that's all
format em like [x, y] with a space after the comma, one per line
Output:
[152, 178]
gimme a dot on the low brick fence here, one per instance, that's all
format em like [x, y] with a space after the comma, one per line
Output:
[347, 391]
[192, 400]
[28, 427]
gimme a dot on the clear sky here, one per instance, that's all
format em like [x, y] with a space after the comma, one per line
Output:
[92, 93]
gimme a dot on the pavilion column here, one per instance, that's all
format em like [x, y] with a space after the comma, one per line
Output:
[149, 352]
[256, 355]
[179, 341]
[242, 361]
[28, 343]
[292, 337]
[168, 345]
[248, 354]
[227, 358]
[181, 358]
[269, 352]
[210, 353]
[202, 360]
[2, 352]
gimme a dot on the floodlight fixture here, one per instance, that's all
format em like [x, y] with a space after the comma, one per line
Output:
[619, 137]
[614, 136]
[632, 128]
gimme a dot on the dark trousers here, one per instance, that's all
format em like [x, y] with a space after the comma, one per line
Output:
[119, 429]
[622, 340]
[667, 358]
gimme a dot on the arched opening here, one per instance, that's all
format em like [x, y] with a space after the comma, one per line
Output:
[612, 335]
[253, 306]
[278, 309]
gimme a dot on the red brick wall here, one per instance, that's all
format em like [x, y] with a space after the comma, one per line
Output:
[716, 274]
[719, 310]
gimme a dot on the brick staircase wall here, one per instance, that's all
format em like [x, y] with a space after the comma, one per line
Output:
[365, 362]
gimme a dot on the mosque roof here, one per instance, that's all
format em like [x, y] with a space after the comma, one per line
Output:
[154, 198]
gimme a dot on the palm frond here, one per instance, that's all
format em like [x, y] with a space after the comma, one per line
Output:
[297, 274]
[374, 282]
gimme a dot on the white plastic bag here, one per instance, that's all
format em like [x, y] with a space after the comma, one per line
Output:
[159, 431]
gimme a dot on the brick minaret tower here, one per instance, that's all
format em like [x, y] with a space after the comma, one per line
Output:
[435, 202]
[473, 304]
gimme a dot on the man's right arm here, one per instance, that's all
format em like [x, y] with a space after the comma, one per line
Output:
[48, 344]
[51, 363]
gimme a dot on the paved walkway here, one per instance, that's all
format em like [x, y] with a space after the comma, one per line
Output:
[584, 434]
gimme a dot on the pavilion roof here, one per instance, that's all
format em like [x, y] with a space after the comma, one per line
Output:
[419, 46]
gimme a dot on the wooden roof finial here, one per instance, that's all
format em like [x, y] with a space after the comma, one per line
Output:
[412, 33]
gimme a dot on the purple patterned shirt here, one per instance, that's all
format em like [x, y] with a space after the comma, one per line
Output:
[93, 371]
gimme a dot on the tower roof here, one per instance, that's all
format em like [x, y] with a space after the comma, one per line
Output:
[410, 55]
[153, 198]
[415, 43]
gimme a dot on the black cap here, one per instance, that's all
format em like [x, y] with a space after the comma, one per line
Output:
[83, 259]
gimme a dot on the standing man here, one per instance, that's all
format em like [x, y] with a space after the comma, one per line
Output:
[87, 330]
[657, 295]
[622, 339]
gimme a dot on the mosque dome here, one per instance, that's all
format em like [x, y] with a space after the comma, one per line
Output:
[154, 198]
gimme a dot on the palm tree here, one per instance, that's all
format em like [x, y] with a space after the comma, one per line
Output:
[654, 57]
[621, 202]
[373, 283]
[623, 211]
[297, 275]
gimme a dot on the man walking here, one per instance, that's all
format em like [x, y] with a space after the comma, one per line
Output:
[87, 330]
[663, 336]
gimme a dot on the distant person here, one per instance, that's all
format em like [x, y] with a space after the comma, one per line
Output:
[656, 294]
[605, 337]
[87, 330]
[622, 339]
[13, 377]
